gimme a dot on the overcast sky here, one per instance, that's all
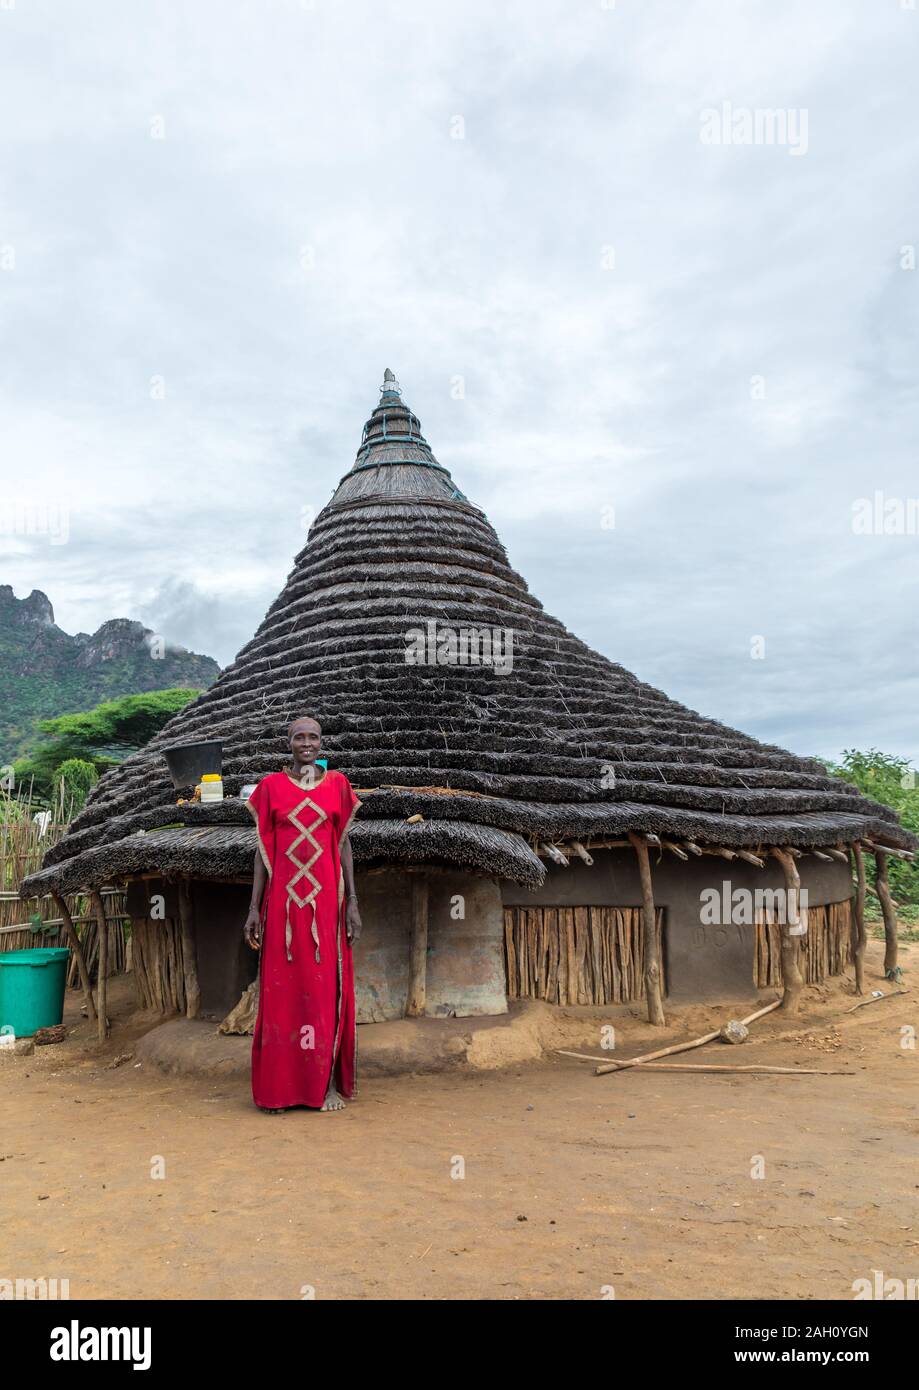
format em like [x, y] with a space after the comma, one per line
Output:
[219, 222]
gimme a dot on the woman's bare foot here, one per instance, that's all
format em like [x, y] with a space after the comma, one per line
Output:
[267, 1111]
[333, 1100]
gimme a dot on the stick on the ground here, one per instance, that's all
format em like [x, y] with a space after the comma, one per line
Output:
[750, 1070]
[680, 1047]
[876, 999]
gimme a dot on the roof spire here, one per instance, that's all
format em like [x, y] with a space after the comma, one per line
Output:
[390, 386]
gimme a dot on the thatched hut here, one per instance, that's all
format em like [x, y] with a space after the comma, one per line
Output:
[536, 821]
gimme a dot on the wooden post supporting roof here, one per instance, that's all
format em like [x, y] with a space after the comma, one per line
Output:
[189, 954]
[890, 917]
[653, 972]
[102, 967]
[77, 948]
[418, 958]
[791, 970]
[859, 934]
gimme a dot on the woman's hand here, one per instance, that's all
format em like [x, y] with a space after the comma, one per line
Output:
[353, 921]
[252, 930]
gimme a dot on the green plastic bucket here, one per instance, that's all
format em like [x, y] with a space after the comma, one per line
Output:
[32, 989]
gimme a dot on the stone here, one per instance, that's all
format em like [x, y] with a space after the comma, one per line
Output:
[734, 1032]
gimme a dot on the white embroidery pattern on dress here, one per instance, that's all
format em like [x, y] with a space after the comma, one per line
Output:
[303, 869]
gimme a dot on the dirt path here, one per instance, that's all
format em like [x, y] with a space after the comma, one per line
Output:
[572, 1182]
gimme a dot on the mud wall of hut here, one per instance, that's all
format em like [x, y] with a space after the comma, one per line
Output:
[471, 922]
[701, 960]
[465, 955]
[465, 958]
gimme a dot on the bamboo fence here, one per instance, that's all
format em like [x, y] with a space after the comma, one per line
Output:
[23, 842]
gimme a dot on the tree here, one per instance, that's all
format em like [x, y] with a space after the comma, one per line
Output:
[891, 780]
[101, 737]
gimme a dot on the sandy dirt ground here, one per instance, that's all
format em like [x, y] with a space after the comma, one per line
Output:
[573, 1184]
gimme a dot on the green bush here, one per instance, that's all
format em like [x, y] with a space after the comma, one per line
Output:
[74, 778]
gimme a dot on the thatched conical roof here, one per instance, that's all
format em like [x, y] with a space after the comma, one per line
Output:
[565, 743]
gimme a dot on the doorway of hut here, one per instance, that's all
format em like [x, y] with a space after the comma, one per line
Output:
[579, 955]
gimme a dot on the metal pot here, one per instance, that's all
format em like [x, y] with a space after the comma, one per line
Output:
[188, 763]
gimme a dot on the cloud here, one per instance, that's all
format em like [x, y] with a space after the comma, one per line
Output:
[717, 342]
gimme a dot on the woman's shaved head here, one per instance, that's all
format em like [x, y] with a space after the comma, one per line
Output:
[305, 737]
[304, 720]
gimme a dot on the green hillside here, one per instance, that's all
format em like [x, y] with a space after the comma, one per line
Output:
[45, 672]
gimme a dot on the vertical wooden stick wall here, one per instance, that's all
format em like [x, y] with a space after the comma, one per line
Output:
[653, 972]
[418, 959]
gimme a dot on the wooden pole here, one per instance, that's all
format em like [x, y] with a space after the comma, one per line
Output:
[189, 951]
[888, 849]
[102, 968]
[418, 960]
[75, 945]
[859, 934]
[751, 1070]
[791, 969]
[652, 955]
[890, 917]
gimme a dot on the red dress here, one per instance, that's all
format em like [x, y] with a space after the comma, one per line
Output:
[306, 1017]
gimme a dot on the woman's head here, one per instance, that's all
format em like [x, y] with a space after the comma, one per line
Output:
[305, 736]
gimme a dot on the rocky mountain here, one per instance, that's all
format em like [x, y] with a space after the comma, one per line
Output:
[45, 671]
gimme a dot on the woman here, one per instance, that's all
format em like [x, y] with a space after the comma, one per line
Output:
[305, 924]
